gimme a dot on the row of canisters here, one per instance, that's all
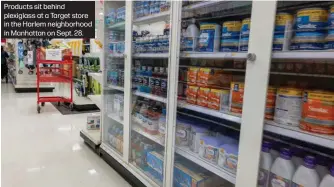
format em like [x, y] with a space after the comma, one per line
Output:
[309, 29]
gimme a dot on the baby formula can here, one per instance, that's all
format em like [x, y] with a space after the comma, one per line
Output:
[288, 106]
[331, 18]
[236, 99]
[245, 28]
[230, 36]
[318, 112]
[308, 41]
[283, 21]
[311, 19]
[209, 37]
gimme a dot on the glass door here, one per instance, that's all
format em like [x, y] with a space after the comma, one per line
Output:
[113, 77]
[298, 133]
[149, 70]
[255, 94]
[213, 40]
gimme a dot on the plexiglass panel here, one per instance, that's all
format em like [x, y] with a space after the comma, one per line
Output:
[149, 88]
[114, 75]
[298, 141]
[214, 40]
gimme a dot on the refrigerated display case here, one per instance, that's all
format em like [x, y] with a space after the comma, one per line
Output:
[215, 91]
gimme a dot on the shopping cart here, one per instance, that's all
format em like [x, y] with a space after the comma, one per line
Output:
[52, 71]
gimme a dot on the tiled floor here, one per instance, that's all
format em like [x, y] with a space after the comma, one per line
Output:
[45, 150]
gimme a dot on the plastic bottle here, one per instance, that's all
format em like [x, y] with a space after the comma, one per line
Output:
[328, 180]
[265, 165]
[191, 36]
[306, 175]
[273, 151]
[297, 155]
[322, 166]
[282, 170]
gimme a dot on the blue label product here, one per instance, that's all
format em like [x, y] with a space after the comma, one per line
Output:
[330, 40]
[209, 37]
[156, 161]
[331, 18]
[311, 19]
[187, 176]
[308, 41]
[230, 36]
[283, 22]
[245, 28]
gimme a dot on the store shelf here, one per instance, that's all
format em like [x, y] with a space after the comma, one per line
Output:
[116, 118]
[93, 135]
[199, 5]
[270, 126]
[96, 99]
[213, 167]
[187, 153]
[131, 168]
[150, 55]
[146, 175]
[275, 55]
[140, 130]
[150, 96]
[113, 87]
[116, 55]
[96, 76]
[214, 55]
[163, 16]
[120, 26]
[214, 113]
[304, 55]
[285, 73]
[295, 132]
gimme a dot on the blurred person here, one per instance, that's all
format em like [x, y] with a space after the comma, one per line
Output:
[4, 66]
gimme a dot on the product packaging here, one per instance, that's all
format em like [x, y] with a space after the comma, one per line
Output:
[93, 121]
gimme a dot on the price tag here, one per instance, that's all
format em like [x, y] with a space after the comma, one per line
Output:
[53, 54]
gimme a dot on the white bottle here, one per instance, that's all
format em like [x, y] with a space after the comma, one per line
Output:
[191, 37]
[297, 156]
[322, 167]
[265, 165]
[306, 175]
[282, 170]
[328, 180]
[274, 153]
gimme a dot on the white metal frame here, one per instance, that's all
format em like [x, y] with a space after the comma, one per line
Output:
[173, 71]
[127, 81]
[256, 83]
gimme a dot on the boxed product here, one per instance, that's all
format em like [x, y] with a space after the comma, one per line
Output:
[228, 157]
[219, 99]
[192, 76]
[196, 133]
[156, 161]
[202, 96]
[209, 147]
[93, 121]
[192, 94]
[210, 77]
[186, 177]
[182, 132]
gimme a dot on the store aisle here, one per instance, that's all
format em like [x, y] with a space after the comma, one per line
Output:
[40, 150]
